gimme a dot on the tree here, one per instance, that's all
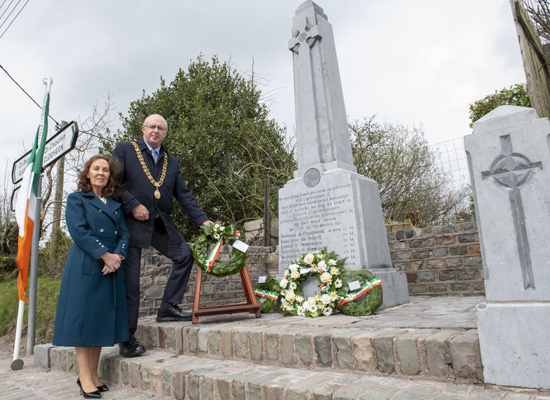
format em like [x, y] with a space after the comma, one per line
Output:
[412, 185]
[539, 11]
[516, 95]
[221, 133]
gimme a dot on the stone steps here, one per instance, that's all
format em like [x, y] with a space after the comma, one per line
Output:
[431, 353]
[165, 375]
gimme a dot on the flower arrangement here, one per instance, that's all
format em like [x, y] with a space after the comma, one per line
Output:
[217, 234]
[334, 294]
[328, 269]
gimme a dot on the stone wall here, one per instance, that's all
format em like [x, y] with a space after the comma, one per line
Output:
[438, 261]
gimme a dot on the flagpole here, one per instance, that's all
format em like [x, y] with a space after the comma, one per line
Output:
[18, 330]
[33, 272]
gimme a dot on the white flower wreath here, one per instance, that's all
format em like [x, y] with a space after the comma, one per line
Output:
[327, 268]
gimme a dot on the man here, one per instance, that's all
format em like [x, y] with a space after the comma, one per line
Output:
[151, 178]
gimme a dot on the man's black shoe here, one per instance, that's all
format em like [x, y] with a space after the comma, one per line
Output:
[172, 312]
[131, 348]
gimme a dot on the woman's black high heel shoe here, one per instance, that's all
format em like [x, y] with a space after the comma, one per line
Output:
[90, 395]
[103, 388]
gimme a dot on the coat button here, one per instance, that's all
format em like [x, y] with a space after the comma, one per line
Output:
[116, 212]
[116, 232]
[101, 230]
[100, 211]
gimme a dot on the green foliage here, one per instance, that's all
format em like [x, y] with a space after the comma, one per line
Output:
[51, 258]
[9, 234]
[412, 185]
[47, 294]
[221, 133]
[517, 95]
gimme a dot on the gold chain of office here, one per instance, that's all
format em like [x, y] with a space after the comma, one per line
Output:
[148, 173]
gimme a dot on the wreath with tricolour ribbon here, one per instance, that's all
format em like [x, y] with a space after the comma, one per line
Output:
[333, 294]
[217, 235]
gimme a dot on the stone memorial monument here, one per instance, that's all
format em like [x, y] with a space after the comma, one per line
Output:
[509, 161]
[328, 204]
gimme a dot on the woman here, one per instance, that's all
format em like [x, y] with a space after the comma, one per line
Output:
[91, 310]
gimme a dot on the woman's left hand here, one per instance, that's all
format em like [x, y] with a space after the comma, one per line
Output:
[112, 262]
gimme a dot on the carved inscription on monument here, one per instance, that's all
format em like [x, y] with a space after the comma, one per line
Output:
[322, 216]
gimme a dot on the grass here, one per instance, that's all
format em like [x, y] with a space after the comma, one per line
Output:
[47, 294]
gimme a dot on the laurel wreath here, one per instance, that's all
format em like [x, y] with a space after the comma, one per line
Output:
[216, 234]
[371, 288]
[268, 294]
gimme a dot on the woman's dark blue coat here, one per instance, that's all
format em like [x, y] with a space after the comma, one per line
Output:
[91, 310]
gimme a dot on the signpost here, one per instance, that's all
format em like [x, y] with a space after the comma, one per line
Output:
[56, 147]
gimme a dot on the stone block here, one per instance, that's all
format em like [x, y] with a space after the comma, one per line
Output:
[438, 353]
[467, 274]
[521, 330]
[438, 288]
[272, 346]
[42, 355]
[447, 275]
[474, 261]
[303, 348]
[467, 238]
[458, 250]
[466, 356]
[344, 353]
[436, 264]
[418, 289]
[426, 276]
[240, 344]
[323, 350]
[440, 252]
[460, 287]
[226, 343]
[453, 262]
[256, 345]
[407, 351]
[383, 344]
[417, 243]
[287, 349]
[446, 240]
[213, 342]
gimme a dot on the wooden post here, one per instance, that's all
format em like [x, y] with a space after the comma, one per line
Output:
[267, 213]
[534, 62]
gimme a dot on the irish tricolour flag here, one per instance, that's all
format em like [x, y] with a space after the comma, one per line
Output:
[26, 206]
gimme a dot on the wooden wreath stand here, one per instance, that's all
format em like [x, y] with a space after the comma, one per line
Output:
[251, 305]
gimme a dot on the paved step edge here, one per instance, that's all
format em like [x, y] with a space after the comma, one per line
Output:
[167, 375]
[440, 354]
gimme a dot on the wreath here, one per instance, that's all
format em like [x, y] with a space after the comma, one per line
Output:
[268, 294]
[368, 283]
[334, 292]
[329, 271]
[218, 234]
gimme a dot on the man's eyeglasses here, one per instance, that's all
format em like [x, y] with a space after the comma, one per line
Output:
[153, 127]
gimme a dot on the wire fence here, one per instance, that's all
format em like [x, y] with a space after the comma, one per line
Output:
[452, 158]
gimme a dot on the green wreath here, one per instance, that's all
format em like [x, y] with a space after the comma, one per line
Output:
[369, 284]
[267, 293]
[218, 235]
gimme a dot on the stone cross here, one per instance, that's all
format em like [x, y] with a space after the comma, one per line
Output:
[512, 170]
[321, 122]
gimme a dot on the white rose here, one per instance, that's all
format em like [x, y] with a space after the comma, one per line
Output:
[311, 300]
[299, 299]
[325, 299]
[326, 277]
[308, 259]
[293, 267]
[283, 283]
[294, 274]
[290, 296]
[322, 266]
[332, 262]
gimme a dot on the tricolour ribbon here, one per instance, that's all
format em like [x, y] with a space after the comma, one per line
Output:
[209, 263]
[267, 294]
[358, 293]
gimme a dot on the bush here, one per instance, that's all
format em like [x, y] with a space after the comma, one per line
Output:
[48, 292]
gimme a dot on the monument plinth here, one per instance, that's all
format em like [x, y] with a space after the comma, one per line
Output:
[328, 204]
[509, 161]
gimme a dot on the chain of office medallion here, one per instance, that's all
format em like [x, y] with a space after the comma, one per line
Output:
[146, 170]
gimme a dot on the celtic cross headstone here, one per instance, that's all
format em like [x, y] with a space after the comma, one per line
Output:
[328, 204]
[509, 160]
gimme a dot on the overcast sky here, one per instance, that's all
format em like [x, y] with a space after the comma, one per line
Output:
[413, 62]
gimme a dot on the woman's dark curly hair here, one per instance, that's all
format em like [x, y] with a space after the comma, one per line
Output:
[113, 187]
